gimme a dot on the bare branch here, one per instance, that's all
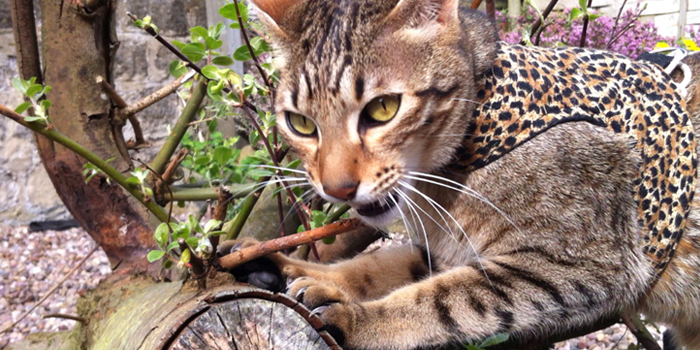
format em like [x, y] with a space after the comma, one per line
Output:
[275, 245]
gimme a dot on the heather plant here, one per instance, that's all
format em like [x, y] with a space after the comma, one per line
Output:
[629, 37]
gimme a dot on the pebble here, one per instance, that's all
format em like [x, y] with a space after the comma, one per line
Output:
[30, 265]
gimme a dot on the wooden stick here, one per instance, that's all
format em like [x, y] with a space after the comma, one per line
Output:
[275, 245]
[635, 325]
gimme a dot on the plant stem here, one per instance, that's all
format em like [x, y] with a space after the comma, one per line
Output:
[585, 25]
[209, 193]
[275, 245]
[337, 213]
[163, 157]
[245, 210]
[64, 140]
[545, 14]
[250, 49]
[635, 325]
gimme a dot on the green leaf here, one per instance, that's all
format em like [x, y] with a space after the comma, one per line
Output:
[213, 43]
[200, 31]
[34, 119]
[217, 233]
[161, 235]
[133, 181]
[154, 255]
[211, 72]
[178, 44]
[222, 60]
[494, 339]
[318, 218]
[193, 242]
[23, 107]
[229, 11]
[213, 223]
[222, 155]
[172, 246]
[242, 54]
[45, 104]
[194, 51]
[328, 240]
[167, 263]
[583, 4]
[19, 85]
[186, 255]
[177, 68]
[592, 17]
[34, 89]
[575, 14]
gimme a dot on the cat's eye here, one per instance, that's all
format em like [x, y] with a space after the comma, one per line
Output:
[383, 108]
[301, 124]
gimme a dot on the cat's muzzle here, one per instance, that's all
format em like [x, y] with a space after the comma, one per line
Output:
[379, 207]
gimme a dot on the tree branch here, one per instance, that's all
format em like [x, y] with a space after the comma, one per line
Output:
[250, 49]
[545, 14]
[160, 94]
[64, 140]
[635, 325]
[275, 245]
[209, 193]
[178, 131]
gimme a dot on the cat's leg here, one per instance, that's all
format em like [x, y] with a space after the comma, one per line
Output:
[365, 277]
[471, 302]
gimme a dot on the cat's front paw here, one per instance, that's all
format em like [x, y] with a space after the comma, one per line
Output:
[263, 272]
[330, 303]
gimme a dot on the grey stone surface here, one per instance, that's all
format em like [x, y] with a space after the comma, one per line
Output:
[141, 67]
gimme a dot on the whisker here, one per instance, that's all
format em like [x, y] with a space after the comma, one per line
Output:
[471, 245]
[468, 100]
[445, 228]
[265, 166]
[425, 234]
[464, 189]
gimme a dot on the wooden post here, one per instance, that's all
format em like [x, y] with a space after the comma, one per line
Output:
[682, 17]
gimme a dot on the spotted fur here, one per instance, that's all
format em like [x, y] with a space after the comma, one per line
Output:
[530, 90]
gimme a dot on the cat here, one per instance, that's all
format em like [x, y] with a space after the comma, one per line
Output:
[548, 188]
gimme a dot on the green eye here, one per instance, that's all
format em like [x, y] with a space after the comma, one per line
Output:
[383, 108]
[301, 124]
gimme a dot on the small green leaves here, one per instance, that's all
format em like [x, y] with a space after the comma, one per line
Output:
[222, 155]
[177, 68]
[90, 170]
[146, 23]
[35, 93]
[194, 51]
[23, 107]
[161, 235]
[495, 339]
[222, 60]
[576, 13]
[229, 11]
[155, 255]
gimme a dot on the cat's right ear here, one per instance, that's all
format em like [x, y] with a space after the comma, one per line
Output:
[279, 16]
[422, 13]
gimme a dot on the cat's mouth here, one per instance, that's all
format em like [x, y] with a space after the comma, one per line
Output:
[379, 207]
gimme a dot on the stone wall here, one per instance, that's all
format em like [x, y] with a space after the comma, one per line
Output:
[26, 193]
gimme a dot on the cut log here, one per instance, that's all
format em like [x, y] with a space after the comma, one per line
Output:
[136, 313]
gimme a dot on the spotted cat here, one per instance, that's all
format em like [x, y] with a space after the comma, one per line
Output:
[547, 188]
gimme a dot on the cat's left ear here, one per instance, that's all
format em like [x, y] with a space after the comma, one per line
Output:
[417, 13]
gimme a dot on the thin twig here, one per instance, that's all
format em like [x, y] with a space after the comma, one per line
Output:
[275, 245]
[617, 20]
[250, 49]
[586, 19]
[160, 94]
[120, 116]
[65, 316]
[475, 4]
[629, 26]
[52, 290]
[545, 14]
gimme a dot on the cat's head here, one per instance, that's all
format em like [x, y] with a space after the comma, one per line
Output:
[371, 90]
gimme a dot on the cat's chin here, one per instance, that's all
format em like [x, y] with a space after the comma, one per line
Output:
[379, 213]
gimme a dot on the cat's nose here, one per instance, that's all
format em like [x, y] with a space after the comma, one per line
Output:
[345, 191]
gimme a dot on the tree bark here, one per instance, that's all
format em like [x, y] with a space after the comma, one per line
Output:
[77, 48]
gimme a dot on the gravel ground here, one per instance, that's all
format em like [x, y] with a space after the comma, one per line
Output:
[32, 263]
